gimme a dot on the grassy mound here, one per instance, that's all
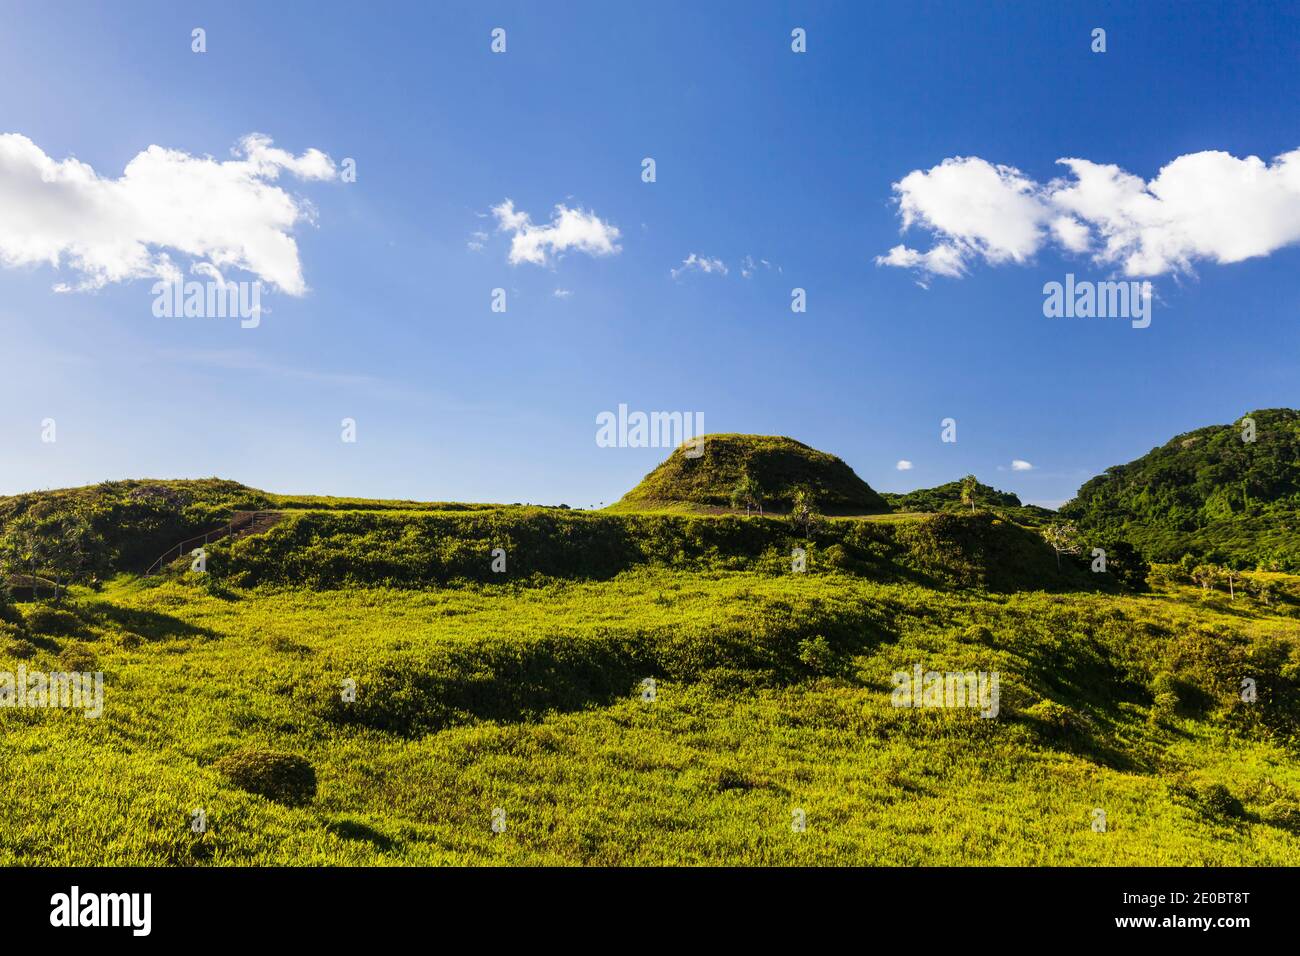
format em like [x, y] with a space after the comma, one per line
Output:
[284, 778]
[777, 465]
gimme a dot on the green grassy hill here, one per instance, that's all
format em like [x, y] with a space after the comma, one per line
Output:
[138, 519]
[771, 694]
[1207, 493]
[359, 685]
[778, 465]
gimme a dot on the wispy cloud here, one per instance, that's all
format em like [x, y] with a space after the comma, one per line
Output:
[244, 360]
[748, 266]
[697, 263]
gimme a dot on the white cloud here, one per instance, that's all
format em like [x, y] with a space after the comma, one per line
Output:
[904, 465]
[1020, 464]
[563, 293]
[748, 266]
[477, 240]
[694, 263]
[1206, 206]
[225, 214]
[568, 229]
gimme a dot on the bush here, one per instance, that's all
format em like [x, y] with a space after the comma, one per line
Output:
[817, 655]
[1214, 801]
[76, 659]
[8, 612]
[13, 641]
[977, 634]
[53, 621]
[1217, 801]
[284, 778]
[1167, 695]
[1056, 720]
[1284, 814]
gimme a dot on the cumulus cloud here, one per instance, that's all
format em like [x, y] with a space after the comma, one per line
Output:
[1208, 206]
[568, 229]
[224, 214]
[695, 263]
[904, 465]
[1019, 464]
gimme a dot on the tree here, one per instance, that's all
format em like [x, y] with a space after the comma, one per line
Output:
[1206, 575]
[1230, 575]
[803, 509]
[1063, 538]
[1126, 564]
[63, 548]
[24, 549]
[1263, 591]
[969, 485]
[746, 493]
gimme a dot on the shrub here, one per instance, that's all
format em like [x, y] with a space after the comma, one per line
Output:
[53, 621]
[1056, 720]
[76, 658]
[1167, 695]
[838, 557]
[1214, 801]
[1284, 814]
[8, 612]
[817, 655]
[977, 634]
[284, 778]
[13, 641]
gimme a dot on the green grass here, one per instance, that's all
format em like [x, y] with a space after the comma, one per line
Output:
[778, 466]
[527, 698]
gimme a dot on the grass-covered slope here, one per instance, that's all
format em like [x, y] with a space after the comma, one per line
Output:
[1208, 493]
[778, 466]
[772, 693]
[138, 519]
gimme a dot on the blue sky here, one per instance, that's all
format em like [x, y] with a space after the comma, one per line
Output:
[760, 152]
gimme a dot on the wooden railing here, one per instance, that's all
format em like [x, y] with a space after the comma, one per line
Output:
[241, 523]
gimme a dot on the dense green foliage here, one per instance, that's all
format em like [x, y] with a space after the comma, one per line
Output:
[321, 549]
[947, 497]
[776, 465]
[1207, 493]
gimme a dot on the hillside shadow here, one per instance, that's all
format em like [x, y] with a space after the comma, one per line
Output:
[153, 626]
